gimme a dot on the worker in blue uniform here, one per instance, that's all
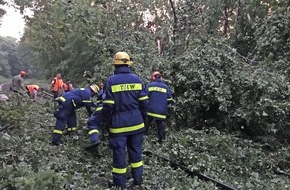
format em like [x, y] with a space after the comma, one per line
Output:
[127, 101]
[68, 103]
[159, 98]
[95, 121]
[94, 127]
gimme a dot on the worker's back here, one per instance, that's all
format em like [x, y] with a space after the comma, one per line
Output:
[126, 101]
[159, 95]
[125, 90]
[31, 88]
[17, 82]
[77, 98]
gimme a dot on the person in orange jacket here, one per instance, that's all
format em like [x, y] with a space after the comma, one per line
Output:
[32, 90]
[57, 86]
[67, 86]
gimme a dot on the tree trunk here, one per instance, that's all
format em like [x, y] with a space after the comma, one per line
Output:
[174, 26]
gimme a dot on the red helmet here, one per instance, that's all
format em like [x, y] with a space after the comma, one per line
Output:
[156, 74]
[23, 73]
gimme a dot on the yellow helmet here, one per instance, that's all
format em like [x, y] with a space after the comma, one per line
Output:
[95, 88]
[122, 58]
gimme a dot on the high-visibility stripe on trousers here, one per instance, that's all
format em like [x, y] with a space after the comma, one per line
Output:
[63, 116]
[94, 126]
[119, 144]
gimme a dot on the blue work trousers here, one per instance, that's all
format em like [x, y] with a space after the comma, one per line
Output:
[94, 126]
[133, 144]
[63, 116]
[160, 127]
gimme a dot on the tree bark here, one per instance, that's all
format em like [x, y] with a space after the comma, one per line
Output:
[174, 26]
[226, 19]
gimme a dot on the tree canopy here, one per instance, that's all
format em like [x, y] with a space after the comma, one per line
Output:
[2, 11]
[226, 61]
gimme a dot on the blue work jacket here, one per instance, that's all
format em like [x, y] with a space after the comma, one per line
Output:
[126, 96]
[77, 98]
[159, 98]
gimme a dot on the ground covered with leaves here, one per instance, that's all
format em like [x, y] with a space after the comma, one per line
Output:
[28, 160]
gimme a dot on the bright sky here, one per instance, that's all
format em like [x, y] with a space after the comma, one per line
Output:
[12, 23]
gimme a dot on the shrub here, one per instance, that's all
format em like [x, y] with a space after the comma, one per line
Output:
[215, 87]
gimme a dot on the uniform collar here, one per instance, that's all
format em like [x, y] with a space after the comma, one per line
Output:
[122, 70]
[157, 80]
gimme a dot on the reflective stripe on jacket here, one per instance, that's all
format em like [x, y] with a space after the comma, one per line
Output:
[126, 95]
[159, 97]
[77, 98]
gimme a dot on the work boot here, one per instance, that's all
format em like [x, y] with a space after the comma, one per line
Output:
[93, 145]
[111, 184]
[136, 183]
[56, 143]
[129, 184]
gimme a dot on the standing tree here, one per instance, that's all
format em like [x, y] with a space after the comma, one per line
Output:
[9, 59]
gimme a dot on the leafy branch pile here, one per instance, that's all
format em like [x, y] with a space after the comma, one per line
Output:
[29, 161]
[214, 87]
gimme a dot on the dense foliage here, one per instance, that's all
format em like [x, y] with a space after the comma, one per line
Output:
[75, 37]
[227, 63]
[29, 162]
[216, 88]
[227, 60]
